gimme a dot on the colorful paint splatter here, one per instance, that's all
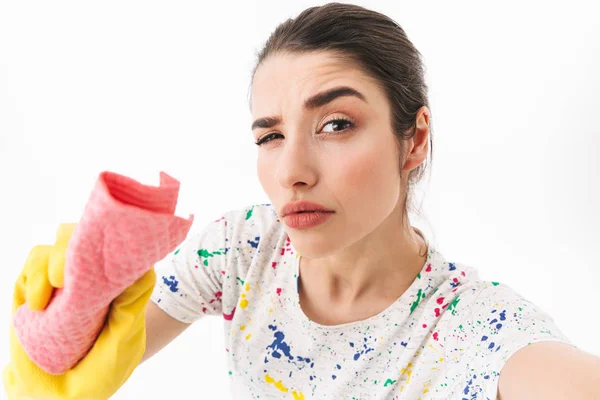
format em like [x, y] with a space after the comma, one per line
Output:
[447, 337]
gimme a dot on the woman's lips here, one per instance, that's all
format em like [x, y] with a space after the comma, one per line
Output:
[307, 219]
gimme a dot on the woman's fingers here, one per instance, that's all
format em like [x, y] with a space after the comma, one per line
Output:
[58, 255]
[37, 286]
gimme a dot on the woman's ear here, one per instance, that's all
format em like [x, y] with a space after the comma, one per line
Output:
[417, 147]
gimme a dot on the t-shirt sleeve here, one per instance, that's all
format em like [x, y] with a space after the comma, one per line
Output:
[189, 281]
[489, 329]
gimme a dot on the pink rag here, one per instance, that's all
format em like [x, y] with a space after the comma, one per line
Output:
[125, 229]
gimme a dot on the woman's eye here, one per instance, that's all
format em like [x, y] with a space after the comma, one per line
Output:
[337, 125]
[266, 138]
[340, 123]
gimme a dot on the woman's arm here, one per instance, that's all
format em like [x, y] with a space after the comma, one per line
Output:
[161, 329]
[549, 370]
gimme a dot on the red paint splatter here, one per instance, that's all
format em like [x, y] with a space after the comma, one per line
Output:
[274, 264]
[204, 309]
[287, 244]
[435, 336]
[223, 272]
[424, 325]
[229, 317]
[195, 266]
[222, 219]
[454, 290]
[217, 297]
[440, 300]
[278, 291]
[437, 312]
[227, 349]
[463, 273]
[445, 305]
[428, 268]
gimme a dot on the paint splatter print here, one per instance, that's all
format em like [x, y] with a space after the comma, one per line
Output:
[447, 337]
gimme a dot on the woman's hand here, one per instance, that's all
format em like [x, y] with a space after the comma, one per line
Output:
[116, 352]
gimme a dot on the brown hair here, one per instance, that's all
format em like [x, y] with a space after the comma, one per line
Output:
[375, 43]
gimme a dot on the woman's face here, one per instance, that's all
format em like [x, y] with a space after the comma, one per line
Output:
[340, 153]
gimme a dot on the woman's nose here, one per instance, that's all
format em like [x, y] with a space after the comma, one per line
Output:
[295, 163]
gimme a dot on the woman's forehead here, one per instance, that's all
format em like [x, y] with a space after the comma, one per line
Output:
[293, 78]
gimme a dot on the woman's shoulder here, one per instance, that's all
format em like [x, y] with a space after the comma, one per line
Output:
[490, 322]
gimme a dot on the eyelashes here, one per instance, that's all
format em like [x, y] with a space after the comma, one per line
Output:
[336, 121]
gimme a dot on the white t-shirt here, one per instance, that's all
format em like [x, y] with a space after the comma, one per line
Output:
[447, 337]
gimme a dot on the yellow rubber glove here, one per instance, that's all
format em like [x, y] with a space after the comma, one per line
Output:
[116, 353]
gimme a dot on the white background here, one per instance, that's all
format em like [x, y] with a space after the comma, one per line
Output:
[141, 87]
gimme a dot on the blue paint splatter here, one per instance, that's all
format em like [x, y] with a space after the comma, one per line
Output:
[255, 243]
[365, 350]
[172, 284]
[452, 266]
[279, 346]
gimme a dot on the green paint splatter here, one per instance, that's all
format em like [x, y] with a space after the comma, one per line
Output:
[414, 305]
[249, 213]
[240, 279]
[452, 305]
[203, 253]
[495, 283]
[419, 276]
[177, 251]
[389, 382]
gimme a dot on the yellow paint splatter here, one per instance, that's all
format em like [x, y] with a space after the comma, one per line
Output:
[426, 386]
[277, 384]
[270, 310]
[244, 302]
[298, 396]
[431, 346]
[242, 327]
[407, 371]
[248, 337]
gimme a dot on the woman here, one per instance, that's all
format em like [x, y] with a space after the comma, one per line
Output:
[329, 292]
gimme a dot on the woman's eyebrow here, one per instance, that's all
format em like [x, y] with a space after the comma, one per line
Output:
[320, 99]
[316, 101]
